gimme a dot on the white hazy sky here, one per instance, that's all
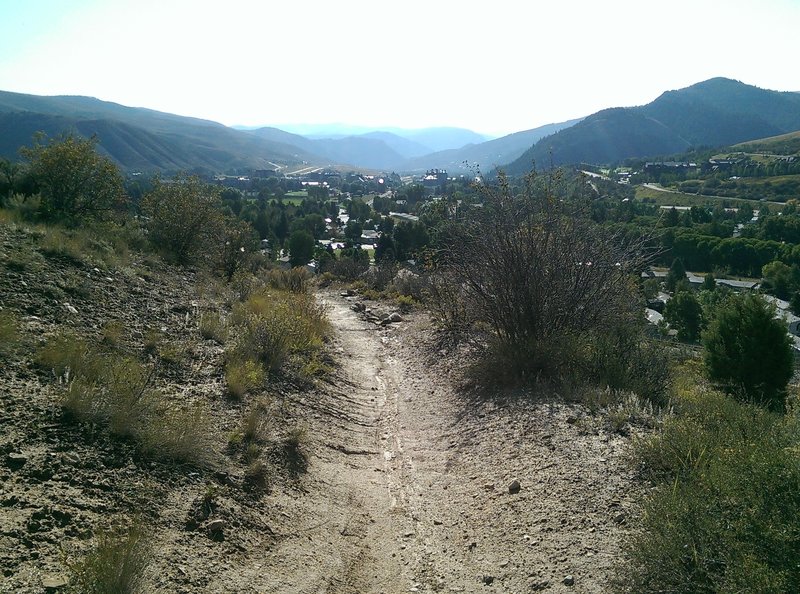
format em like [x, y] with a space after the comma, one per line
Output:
[495, 67]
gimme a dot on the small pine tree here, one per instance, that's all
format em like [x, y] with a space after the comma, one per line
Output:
[676, 274]
[709, 283]
[301, 248]
[794, 304]
[685, 314]
[748, 351]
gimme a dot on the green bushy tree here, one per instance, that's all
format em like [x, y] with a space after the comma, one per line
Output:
[301, 248]
[676, 274]
[748, 351]
[685, 314]
[183, 215]
[75, 182]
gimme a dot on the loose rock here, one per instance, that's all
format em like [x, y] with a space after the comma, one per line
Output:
[514, 487]
[16, 460]
[54, 582]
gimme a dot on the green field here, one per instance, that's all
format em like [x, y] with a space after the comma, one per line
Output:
[663, 198]
[786, 144]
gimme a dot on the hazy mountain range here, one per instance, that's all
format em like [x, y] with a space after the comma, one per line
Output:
[712, 113]
[716, 112]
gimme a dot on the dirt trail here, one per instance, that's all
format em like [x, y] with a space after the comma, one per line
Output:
[407, 489]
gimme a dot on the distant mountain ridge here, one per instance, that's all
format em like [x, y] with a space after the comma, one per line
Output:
[138, 138]
[486, 155]
[145, 139]
[715, 112]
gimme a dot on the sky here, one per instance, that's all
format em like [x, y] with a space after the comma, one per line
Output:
[495, 66]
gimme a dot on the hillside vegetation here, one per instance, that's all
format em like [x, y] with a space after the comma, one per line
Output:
[716, 112]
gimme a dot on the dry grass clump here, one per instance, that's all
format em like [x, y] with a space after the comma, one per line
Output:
[243, 377]
[96, 245]
[275, 327]
[257, 475]
[66, 355]
[117, 564]
[111, 333]
[212, 326]
[72, 246]
[296, 280]
[10, 336]
[256, 423]
[115, 391]
[152, 341]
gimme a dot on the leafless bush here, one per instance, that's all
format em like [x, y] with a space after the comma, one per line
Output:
[446, 299]
[348, 269]
[539, 273]
[380, 277]
[406, 282]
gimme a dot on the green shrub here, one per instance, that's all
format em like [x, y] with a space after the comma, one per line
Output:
[75, 182]
[405, 303]
[725, 513]
[371, 294]
[272, 325]
[748, 351]
[243, 377]
[182, 217]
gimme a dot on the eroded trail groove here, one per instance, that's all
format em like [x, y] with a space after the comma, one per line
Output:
[408, 484]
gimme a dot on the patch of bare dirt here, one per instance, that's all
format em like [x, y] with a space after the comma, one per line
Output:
[412, 486]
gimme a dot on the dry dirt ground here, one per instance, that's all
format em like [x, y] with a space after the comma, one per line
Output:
[406, 486]
[409, 483]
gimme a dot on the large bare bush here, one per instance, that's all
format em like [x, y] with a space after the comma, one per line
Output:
[540, 274]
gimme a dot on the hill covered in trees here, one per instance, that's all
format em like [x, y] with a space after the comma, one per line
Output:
[716, 112]
[144, 139]
[713, 113]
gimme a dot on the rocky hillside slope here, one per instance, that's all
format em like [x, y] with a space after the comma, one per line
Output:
[390, 474]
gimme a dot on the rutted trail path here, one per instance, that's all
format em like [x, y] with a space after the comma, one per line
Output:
[407, 489]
